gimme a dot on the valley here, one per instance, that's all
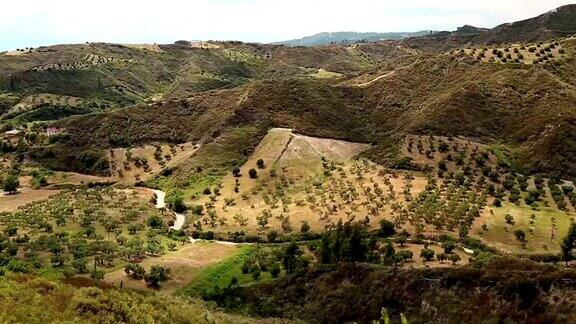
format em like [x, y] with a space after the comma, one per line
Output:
[401, 177]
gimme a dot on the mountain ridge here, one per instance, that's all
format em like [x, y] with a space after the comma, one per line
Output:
[346, 37]
[559, 22]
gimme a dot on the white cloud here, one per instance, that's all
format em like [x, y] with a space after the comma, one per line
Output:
[36, 22]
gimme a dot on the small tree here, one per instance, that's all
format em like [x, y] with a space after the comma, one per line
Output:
[568, 244]
[305, 228]
[10, 184]
[442, 257]
[156, 275]
[275, 270]
[402, 238]
[291, 257]
[155, 221]
[177, 203]
[454, 258]
[520, 235]
[260, 164]
[427, 254]
[448, 247]
[80, 265]
[236, 172]
[388, 253]
[253, 173]
[386, 228]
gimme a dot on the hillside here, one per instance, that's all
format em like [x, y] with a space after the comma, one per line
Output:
[87, 78]
[81, 301]
[451, 96]
[557, 23]
[423, 179]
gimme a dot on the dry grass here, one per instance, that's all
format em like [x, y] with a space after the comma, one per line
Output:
[11, 203]
[316, 214]
[512, 52]
[32, 101]
[129, 171]
[184, 264]
[146, 47]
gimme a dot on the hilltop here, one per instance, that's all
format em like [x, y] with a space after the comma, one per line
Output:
[557, 23]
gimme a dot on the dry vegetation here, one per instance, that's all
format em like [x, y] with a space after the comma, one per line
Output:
[457, 189]
[326, 172]
[536, 53]
[140, 163]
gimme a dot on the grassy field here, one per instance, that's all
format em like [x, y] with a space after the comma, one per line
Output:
[323, 74]
[186, 264]
[12, 202]
[545, 228]
[220, 275]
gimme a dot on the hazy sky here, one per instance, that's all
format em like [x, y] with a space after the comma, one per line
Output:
[44, 22]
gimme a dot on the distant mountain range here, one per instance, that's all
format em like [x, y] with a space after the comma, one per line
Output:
[350, 37]
[560, 22]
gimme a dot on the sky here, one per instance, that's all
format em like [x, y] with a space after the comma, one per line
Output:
[31, 23]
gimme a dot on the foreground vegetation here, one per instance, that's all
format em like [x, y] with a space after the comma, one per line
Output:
[26, 297]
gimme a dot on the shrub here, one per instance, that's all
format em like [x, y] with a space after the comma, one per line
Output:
[156, 275]
[10, 184]
[404, 255]
[275, 270]
[256, 274]
[427, 254]
[520, 235]
[155, 221]
[253, 173]
[454, 258]
[442, 257]
[442, 165]
[497, 202]
[176, 203]
[386, 228]
[272, 236]
[197, 209]
[260, 164]
[305, 228]
[448, 247]
[97, 275]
